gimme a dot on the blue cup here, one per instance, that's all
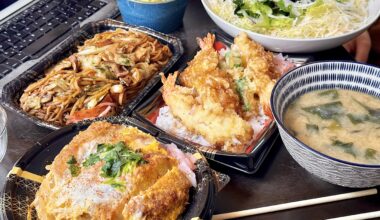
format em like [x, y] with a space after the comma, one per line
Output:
[164, 17]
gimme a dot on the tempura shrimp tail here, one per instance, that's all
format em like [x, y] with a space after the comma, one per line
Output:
[207, 42]
[221, 129]
[265, 99]
[206, 60]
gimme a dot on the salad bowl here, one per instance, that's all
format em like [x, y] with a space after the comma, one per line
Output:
[296, 45]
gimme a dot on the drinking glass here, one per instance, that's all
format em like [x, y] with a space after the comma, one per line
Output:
[3, 133]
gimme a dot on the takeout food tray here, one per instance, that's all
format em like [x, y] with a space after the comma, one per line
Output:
[245, 162]
[14, 89]
[248, 162]
[23, 181]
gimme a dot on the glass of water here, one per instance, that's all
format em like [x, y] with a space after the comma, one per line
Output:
[3, 132]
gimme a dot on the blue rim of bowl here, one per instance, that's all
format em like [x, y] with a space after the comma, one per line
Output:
[279, 122]
[152, 3]
[360, 30]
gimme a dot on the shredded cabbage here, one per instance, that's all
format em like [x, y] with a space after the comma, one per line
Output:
[294, 18]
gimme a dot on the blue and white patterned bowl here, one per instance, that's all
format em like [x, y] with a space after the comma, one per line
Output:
[317, 76]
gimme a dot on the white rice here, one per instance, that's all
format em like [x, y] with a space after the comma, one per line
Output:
[258, 123]
[168, 123]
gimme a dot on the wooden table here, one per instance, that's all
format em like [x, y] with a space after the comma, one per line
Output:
[279, 180]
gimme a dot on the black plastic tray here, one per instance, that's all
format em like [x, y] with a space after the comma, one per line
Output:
[19, 192]
[245, 162]
[14, 89]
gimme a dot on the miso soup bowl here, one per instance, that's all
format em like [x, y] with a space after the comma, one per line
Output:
[317, 76]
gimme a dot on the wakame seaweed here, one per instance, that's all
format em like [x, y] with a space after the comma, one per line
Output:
[326, 111]
[331, 93]
[370, 153]
[374, 113]
[312, 128]
[347, 147]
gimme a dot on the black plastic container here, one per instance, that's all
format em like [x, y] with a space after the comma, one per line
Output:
[19, 190]
[248, 162]
[14, 89]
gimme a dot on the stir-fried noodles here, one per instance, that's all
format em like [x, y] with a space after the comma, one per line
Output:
[105, 73]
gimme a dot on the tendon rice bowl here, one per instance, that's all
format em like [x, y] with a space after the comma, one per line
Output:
[222, 97]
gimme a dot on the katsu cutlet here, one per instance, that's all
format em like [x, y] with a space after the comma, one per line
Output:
[86, 181]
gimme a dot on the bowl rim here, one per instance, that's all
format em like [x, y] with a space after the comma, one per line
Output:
[293, 40]
[151, 3]
[300, 143]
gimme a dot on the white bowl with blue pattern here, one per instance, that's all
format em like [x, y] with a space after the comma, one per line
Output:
[317, 76]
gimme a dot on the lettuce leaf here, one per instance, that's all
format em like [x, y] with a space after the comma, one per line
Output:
[319, 8]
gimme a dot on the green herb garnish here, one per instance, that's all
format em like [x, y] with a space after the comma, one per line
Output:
[73, 166]
[331, 93]
[326, 111]
[347, 147]
[118, 158]
[241, 85]
[115, 184]
[91, 160]
[370, 153]
[72, 160]
[118, 185]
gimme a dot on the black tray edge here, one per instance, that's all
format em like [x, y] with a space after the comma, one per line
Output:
[251, 165]
[205, 205]
[12, 89]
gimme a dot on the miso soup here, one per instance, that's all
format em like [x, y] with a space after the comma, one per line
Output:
[340, 123]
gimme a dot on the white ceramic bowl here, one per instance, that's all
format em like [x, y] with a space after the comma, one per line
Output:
[318, 76]
[294, 45]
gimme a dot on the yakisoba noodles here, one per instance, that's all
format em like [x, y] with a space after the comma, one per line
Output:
[106, 72]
